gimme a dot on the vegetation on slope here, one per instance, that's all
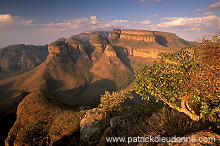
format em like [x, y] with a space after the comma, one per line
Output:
[187, 80]
[57, 43]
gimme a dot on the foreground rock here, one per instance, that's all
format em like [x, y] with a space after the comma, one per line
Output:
[43, 120]
[93, 126]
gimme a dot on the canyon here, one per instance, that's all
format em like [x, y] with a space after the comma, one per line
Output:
[77, 71]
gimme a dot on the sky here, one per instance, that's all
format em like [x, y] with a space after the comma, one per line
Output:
[39, 22]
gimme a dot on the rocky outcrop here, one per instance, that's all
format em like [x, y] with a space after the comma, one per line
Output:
[123, 127]
[109, 66]
[137, 35]
[114, 35]
[76, 45]
[42, 119]
[132, 35]
[93, 125]
[109, 51]
[97, 47]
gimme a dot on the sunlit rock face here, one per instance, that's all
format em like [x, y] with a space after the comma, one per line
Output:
[137, 35]
[134, 35]
[97, 46]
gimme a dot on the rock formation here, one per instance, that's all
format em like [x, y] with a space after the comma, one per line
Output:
[93, 125]
[80, 69]
[97, 47]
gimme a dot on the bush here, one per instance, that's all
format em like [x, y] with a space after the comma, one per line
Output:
[187, 81]
[112, 101]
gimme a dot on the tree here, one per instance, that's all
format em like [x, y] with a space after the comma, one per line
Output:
[188, 80]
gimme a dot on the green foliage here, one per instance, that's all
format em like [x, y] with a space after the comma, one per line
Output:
[57, 43]
[112, 101]
[74, 41]
[190, 76]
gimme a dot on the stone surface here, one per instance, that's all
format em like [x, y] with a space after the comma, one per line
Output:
[137, 35]
[93, 125]
[123, 126]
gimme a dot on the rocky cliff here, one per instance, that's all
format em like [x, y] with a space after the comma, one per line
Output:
[77, 71]
[74, 68]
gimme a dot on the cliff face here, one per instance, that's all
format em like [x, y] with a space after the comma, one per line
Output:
[97, 47]
[137, 35]
[72, 66]
[74, 69]
[143, 46]
[77, 70]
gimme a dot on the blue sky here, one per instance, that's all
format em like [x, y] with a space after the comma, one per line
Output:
[40, 22]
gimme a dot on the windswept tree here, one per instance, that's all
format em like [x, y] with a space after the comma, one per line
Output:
[188, 80]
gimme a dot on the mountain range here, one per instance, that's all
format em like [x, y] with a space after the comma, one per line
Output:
[79, 69]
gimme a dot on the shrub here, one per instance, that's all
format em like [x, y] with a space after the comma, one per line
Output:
[187, 81]
[112, 101]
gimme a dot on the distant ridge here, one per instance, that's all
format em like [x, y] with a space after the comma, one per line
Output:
[79, 69]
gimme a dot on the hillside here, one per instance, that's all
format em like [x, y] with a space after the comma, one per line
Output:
[17, 59]
[77, 71]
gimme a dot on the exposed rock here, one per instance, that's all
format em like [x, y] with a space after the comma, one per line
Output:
[109, 66]
[114, 34]
[42, 119]
[79, 70]
[57, 48]
[61, 39]
[93, 126]
[76, 44]
[137, 35]
[109, 51]
[97, 47]
[123, 126]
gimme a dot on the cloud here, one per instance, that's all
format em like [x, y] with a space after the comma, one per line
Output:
[7, 19]
[94, 23]
[205, 23]
[208, 13]
[145, 22]
[198, 10]
[88, 23]
[120, 21]
[215, 6]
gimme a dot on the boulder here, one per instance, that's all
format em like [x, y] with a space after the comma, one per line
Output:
[123, 127]
[93, 125]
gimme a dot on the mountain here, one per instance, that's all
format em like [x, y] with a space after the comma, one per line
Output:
[17, 59]
[79, 73]
[79, 69]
